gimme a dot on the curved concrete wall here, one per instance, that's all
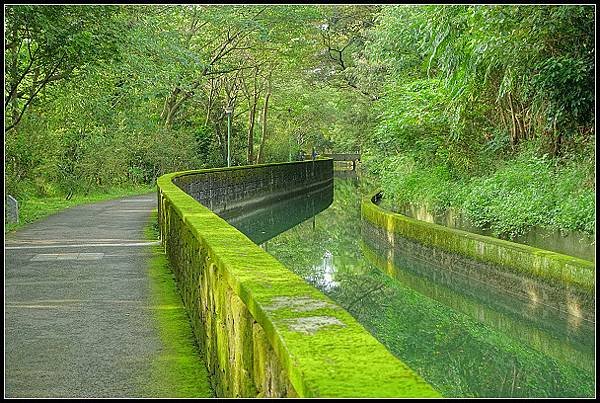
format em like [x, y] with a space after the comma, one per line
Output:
[265, 331]
[237, 188]
[563, 282]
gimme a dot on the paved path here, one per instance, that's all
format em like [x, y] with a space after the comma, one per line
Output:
[77, 317]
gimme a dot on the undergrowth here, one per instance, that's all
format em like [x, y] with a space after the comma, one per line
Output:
[510, 197]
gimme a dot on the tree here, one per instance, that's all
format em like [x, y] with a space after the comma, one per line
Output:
[47, 44]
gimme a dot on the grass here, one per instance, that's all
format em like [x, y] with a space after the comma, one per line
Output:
[34, 208]
[179, 370]
[510, 198]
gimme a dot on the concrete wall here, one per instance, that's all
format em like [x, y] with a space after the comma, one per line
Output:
[11, 210]
[560, 281]
[229, 189]
[263, 222]
[265, 331]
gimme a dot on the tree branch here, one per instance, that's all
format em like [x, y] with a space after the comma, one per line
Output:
[33, 95]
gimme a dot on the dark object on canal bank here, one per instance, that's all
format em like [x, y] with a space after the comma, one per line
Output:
[377, 198]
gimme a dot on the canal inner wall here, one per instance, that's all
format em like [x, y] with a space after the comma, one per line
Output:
[535, 276]
[228, 190]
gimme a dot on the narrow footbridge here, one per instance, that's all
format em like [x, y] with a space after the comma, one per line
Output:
[354, 157]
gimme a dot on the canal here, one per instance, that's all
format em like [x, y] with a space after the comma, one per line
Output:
[465, 341]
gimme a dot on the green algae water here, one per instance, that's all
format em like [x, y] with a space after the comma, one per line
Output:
[465, 341]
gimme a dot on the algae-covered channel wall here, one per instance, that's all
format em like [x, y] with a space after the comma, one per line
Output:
[464, 333]
[541, 277]
[264, 330]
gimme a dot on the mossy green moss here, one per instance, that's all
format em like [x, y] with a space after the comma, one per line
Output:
[179, 370]
[340, 360]
[550, 266]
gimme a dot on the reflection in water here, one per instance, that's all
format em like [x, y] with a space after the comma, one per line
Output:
[463, 340]
[263, 223]
[325, 273]
[548, 330]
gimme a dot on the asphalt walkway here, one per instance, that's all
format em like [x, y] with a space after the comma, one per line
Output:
[79, 319]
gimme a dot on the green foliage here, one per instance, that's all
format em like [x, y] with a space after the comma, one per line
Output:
[436, 97]
[488, 109]
[565, 82]
[412, 118]
[404, 180]
[513, 199]
[95, 129]
[525, 68]
[520, 193]
[47, 44]
[530, 191]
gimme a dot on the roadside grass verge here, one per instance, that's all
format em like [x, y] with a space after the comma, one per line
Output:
[179, 370]
[34, 208]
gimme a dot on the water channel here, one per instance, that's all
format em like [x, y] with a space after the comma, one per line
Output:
[465, 341]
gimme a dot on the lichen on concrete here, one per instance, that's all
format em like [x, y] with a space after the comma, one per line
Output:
[299, 304]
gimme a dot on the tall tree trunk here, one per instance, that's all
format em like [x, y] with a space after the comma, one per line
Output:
[264, 122]
[252, 104]
[251, 117]
[557, 140]
[221, 141]
[264, 128]
[172, 105]
[514, 132]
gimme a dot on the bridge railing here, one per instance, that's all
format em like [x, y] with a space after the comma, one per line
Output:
[354, 157]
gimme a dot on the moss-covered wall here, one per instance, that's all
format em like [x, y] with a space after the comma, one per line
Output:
[265, 331]
[232, 188]
[564, 282]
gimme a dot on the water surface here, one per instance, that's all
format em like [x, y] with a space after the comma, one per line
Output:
[464, 342]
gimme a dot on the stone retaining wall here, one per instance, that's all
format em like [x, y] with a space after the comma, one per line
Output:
[265, 331]
[11, 210]
[563, 282]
